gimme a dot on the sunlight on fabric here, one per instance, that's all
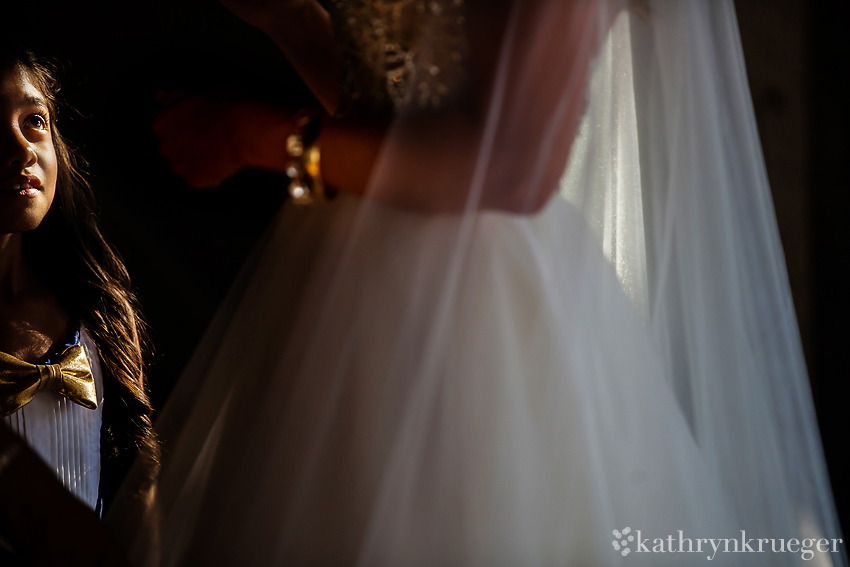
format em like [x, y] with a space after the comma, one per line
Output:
[602, 179]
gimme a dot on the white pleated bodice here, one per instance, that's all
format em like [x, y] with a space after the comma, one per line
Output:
[65, 434]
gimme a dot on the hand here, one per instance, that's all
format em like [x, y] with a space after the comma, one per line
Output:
[210, 138]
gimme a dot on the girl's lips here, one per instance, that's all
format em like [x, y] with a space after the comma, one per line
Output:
[25, 190]
[26, 186]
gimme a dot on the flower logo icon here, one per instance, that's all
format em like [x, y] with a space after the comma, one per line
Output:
[621, 544]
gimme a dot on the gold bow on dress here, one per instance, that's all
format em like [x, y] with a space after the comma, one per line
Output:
[71, 377]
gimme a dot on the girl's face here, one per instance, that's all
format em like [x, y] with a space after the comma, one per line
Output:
[27, 158]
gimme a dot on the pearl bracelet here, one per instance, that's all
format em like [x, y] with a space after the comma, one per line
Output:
[304, 168]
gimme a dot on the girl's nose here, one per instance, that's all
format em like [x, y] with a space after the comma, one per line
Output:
[18, 153]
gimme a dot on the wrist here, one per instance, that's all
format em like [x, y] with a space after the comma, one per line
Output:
[303, 153]
[263, 149]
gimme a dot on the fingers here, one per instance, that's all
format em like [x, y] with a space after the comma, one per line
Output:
[194, 140]
[209, 138]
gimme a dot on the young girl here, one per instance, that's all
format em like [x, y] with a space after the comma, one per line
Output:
[72, 377]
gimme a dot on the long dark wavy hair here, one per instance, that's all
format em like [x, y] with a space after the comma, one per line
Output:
[94, 286]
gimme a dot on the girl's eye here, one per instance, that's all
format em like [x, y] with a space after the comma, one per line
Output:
[37, 121]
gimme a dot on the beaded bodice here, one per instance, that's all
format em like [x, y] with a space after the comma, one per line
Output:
[400, 53]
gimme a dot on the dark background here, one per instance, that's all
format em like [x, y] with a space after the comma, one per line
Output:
[183, 247]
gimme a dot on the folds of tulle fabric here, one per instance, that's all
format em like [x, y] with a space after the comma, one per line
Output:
[376, 428]
[391, 388]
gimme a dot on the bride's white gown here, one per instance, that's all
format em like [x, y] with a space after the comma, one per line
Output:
[536, 422]
[387, 388]
[525, 442]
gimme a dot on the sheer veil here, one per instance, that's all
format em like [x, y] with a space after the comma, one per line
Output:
[391, 387]
[679, 200]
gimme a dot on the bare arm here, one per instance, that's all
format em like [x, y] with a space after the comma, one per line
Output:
[303, 32]
[431, 162]
[428, 165]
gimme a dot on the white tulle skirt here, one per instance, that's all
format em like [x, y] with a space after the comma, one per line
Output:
[392, 389]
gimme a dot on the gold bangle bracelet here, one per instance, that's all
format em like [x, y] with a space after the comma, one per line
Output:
[313, 167]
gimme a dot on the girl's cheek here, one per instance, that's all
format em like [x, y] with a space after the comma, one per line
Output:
[49, 169]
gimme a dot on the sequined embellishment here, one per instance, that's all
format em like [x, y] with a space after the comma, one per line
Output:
[400, 52]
